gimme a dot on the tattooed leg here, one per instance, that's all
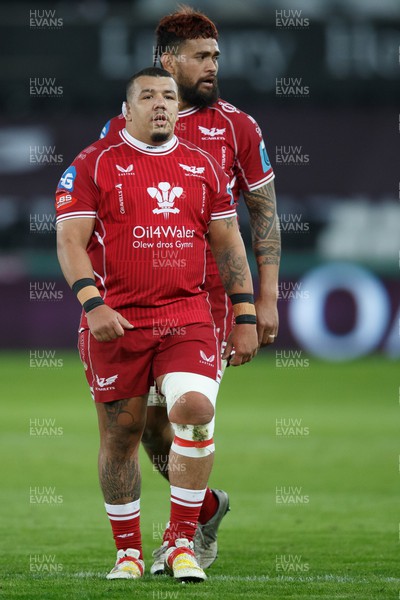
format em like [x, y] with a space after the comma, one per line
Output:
[121, 425]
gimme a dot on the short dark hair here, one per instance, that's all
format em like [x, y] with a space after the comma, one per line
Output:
[147, 72]
[184, 24]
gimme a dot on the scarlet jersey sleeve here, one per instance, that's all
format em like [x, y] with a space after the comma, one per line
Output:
[252, 162]
[113, 126]
[222, 202]
[77, 195]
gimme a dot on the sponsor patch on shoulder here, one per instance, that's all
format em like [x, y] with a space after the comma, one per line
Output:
[67, 179]
[227, 107]
[65, 201]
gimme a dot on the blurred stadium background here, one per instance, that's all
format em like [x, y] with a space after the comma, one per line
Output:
[322, 79]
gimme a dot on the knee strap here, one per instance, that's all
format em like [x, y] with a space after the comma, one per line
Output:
[177, 384]
[194, 441]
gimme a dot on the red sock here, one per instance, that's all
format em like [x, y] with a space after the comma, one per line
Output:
[185, 510]
[125, 523]
[209, 508]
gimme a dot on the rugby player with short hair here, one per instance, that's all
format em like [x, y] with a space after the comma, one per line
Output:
[187, 47]
[121, 202]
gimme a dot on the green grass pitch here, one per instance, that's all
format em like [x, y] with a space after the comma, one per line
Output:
[309, 456]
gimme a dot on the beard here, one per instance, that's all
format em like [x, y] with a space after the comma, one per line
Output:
[160, 136]
[190, 94]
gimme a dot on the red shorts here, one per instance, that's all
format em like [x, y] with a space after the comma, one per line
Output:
[221, 307]
[127, 366]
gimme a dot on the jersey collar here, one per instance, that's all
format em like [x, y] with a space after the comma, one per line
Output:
[146, 148]
[193, 109]
[188, 111]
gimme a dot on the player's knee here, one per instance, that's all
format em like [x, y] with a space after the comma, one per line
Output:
[190, 403]
[192, 408]
[192, 418]
[123, 437]
[120, 445]
[194, 441]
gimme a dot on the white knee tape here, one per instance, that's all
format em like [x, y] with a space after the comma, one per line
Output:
[194, 441]
[176, 384]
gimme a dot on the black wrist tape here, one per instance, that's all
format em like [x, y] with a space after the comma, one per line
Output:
[92, 303]
[237, 298]
[246, 319]
[81, 283]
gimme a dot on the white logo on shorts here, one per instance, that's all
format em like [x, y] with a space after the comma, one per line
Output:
[207, 360]
[105, 383]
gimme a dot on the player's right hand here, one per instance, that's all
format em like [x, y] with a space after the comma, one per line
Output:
[243, 341]
[107, 324]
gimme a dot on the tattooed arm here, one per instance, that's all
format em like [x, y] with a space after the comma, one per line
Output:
[229, 252]
[265, 233]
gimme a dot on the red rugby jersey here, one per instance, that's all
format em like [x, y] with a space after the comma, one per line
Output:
[152, 206]
[231, 136]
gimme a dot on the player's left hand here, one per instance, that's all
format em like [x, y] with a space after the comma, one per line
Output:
[242, 345]
[267, 321]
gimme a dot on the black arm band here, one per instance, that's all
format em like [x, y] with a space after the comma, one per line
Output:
[81, 283]
[92, 303]
[237, 298]
[246, 319]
